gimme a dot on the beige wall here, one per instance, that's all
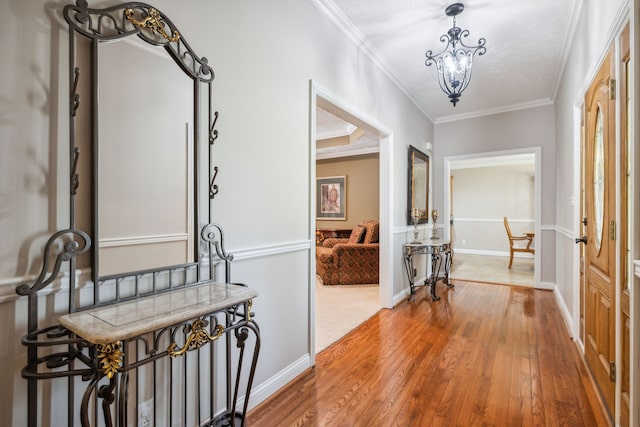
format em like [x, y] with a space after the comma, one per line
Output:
[363, 182]
[482, 197]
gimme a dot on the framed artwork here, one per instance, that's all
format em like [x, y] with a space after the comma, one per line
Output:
[331, 198]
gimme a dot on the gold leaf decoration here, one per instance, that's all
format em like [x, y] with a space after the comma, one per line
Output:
[197, 337]
[110, 357]
[153, 22]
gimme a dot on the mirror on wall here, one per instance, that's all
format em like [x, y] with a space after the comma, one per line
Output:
[418, 186]
[145, 159]
[141, 123]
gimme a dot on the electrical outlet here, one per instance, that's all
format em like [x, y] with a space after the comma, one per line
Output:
[464, 242]
[415, 272]
[145, 414]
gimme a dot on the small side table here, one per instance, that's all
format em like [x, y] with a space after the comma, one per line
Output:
[440, 254]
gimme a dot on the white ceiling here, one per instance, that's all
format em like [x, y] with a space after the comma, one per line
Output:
[526, 48]
[330, 126]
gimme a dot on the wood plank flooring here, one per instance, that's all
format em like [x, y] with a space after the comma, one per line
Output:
[484, 355]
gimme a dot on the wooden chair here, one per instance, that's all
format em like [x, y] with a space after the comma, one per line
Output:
[513, 246]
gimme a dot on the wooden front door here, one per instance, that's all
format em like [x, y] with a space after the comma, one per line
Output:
[600, 230]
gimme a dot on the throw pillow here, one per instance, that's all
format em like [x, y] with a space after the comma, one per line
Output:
[356, 234]
[373, 230]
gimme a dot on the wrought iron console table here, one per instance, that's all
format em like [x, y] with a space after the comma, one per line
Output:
[439, 252]
[104, 345]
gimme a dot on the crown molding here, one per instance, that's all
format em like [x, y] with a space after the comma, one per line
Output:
[335, 15]
[347, 153]
[569, 36]
[616, 27]
[491, 111]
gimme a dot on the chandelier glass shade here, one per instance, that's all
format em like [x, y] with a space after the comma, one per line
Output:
[454, 63]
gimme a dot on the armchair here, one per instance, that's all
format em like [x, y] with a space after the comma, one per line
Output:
[350, 261]
[513, 245]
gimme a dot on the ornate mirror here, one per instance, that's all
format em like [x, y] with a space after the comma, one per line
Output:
[141, 109]
[418, 186]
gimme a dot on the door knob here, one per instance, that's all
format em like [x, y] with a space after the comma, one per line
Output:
[582, 239]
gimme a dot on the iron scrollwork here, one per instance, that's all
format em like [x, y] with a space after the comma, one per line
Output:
[213, 188]
[117, 22]
[78, 243]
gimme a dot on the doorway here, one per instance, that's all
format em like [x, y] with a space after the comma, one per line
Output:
[322, 98]
[466, 232]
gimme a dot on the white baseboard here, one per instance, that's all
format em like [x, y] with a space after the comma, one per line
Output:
[457, 250]
[401, 296]
[263, 391]
[566, 315]
[547, 286]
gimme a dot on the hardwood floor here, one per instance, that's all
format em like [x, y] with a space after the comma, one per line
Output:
[484, 355]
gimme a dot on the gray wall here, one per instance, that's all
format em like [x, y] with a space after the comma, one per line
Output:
[529, 128]
[264, 54]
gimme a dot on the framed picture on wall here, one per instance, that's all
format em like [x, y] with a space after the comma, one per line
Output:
[331, 198]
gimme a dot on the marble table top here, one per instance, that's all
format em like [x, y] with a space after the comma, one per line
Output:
[429, 242]
[146, 314]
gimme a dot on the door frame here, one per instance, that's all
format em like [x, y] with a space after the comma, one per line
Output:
[348, 112]
[537, 153]
[612, 40]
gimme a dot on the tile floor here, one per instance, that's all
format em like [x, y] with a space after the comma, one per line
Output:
[493, 269]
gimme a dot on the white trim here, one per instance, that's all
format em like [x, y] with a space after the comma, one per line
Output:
[60, 284]
[491, 111]
[491, 253]
[402, 295]
[610, 41]
[566, 314]
[546, 286]
[348, 152]
[564, 232]
[115, 242]
[335, 15]
[270, 250]
[311, 344]
[337, 134]
[488, 162]
[569, 35]
[496, 220]
[577, 200]
[268, 388]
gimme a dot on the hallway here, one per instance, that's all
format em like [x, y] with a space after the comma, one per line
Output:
[483, 355]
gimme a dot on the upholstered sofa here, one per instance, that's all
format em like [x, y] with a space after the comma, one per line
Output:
[350, 261]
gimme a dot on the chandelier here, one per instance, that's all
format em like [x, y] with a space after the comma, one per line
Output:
[454, 65]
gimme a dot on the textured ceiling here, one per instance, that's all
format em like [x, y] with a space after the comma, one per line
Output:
[525, 48]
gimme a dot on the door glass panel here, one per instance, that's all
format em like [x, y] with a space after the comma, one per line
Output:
[598, 180]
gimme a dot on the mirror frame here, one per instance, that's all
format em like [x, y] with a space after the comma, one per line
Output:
[156, 29]
[414, 154]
